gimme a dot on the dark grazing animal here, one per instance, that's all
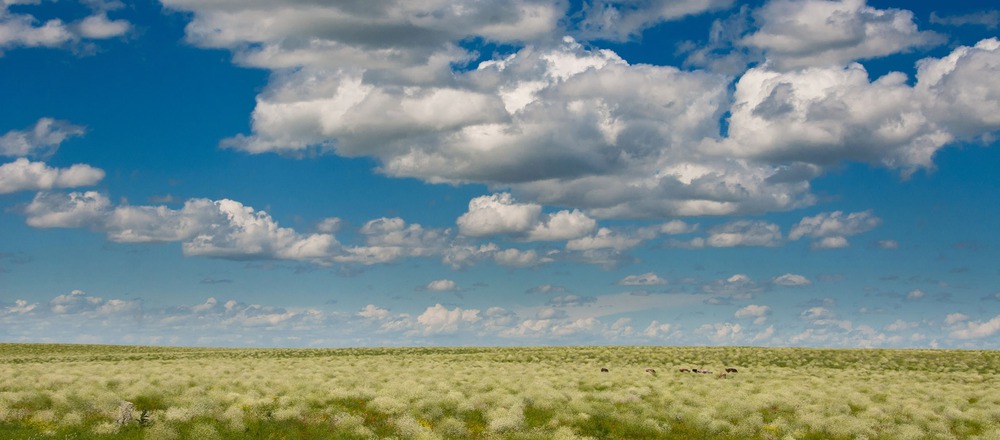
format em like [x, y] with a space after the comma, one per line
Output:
[685, 370]
[731, 370]
[605, 370]
[651, 371]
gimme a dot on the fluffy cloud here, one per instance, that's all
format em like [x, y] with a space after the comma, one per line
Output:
[722, 333]
[900, 325]
[439, 319]
[675, 227]
[757, 312]
[25, 175]
[657, 329]
[78, 302]
[42, 140]
[389, 36]
[830, 230]
[222, 228]
[803, 33]
[744, 233]
[560, 123]
[499, 214]
[597, 133]
[25, 30]
[957, 90]
[738, 286]
[546, 289]
[388, 239]
[791, 279]
[816, 117]
[955, 318]
[372, 311]
[646, 279]
[607, 238]
[975, 329]
[73, 210]
[441, 286]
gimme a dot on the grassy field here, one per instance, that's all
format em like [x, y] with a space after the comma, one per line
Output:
[74, 392]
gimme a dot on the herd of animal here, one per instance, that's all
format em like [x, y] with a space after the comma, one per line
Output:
[688, 370]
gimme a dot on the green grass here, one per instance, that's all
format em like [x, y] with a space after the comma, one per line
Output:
[73, 392]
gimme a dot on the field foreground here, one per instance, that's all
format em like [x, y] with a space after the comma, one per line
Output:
[75, 391]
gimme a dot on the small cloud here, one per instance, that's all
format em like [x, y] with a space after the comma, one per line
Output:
[550, 313]
[675, 227]
[817, 314]
[915, 294]
[646, 279]
[988, 19]
[571, 300]
[900, 325]
[790, 279]
[745, 233]
[955, 318]
[829, 230]
[546, 289]
[657, 329]
[164, 199]
[441, 286]
[372, 311]
[887, 244]
[42, 140]
[329, 225]
[759, 313]
[215, 281]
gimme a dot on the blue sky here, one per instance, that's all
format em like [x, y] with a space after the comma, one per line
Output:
[693, 172]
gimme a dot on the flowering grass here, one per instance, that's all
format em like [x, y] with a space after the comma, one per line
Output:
[74, 391]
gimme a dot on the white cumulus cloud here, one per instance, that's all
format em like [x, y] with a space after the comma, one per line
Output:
[798, 33]
[831, 229]
[25, 175]
[439, 319]
[646, 279]
[442, 286]
[41, 140]
[791, 279]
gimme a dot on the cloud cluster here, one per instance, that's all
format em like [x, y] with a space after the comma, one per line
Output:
[24, 30]
[646, 279]
[25, 175]
[42, 141]
[830, 230]
[561, 123]
[228, 322]
[229, 229]
[222, 228]
[498, 214]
